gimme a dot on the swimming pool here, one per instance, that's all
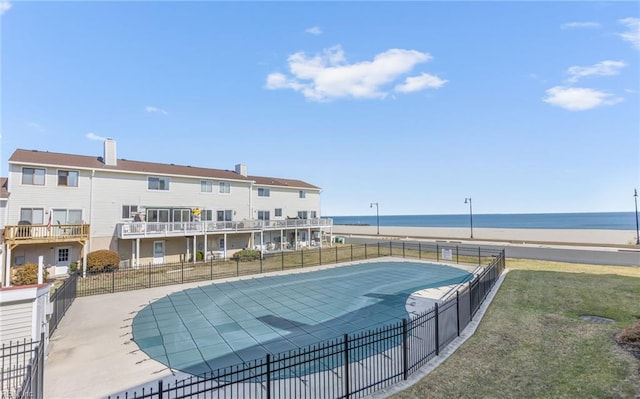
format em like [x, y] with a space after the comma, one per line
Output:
[205, 328]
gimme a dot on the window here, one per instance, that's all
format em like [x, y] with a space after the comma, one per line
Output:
[225, 216]
[263, 192]
[182, 215]
[313, 214]
[158, 215]
[33, 176]
[66, 216]
[206, 186]
[221, 243]
[159, 183]
[302, 194]
[129, 211]
[278, 212]
[302, 215]
[263, 215]
[206, 215]
[67, 178]
[225, 187]
[32, 215]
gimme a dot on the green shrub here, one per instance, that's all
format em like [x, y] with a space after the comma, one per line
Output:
[102, 260]
[199, 256]
[27, 274]
[73, 267]
[246, 255]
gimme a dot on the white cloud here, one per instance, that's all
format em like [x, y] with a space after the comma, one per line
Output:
[151, 109]
[632, 34]
[580, 25]
[328, 75]
[578, 98]
[314, 30]
[421, 82]
[604, 68]
[36, 126]
[93, 136]
[4, 6]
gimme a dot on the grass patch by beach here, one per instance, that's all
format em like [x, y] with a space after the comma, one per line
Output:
[533, 343]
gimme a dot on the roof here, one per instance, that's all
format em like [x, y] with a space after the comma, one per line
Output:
[124, 165]
[276, 181]
[3, 188]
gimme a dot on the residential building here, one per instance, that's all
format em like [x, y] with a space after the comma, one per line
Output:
[62, 206]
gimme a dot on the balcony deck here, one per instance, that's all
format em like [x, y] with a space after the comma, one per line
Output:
[178, 229]
[42, 234]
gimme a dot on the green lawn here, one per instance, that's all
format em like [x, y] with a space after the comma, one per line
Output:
[532, 342]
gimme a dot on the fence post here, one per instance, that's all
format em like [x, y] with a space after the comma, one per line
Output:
[379, 248]
[282, 258]
[437, 334]
[405, 350]
[211, 269]
[182, 272]
[403, 249]
[458, 311]
[336, 254]
[457, 257]
[260, 263]
[160, 389]
[320, 256]
[437, 253]
[41, 367]
[301, 258]
[419, 250]
[268, 376]
[390, 249]
[113, 281]
[346, 366]
[479, 257]
[149, 271]
[365, 249]
[237, 266]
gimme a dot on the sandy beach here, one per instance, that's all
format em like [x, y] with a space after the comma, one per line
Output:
[586, 237]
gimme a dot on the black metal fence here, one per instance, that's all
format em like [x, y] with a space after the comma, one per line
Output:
[350, 367]
[61, 300]
[150, 275]
[22, 369]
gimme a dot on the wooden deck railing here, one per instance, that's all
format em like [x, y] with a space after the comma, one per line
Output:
[44, 233]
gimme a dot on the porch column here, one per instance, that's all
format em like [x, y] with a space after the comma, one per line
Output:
[225, 246]
[282, 239]
[195, 249]
[7, 273]
[137, 252]
[261, 242]
[309, 236]
[206, 239]
[84, 261]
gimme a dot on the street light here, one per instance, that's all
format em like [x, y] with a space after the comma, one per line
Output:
[468, 201]
[635, 197]
[377, 215]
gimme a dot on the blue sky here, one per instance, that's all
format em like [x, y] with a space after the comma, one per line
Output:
[523, 106]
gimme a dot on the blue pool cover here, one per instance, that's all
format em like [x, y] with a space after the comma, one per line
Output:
[202, 329]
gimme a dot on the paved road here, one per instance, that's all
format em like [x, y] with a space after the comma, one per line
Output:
[590, 255]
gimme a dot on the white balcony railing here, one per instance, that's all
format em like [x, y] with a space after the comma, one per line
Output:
[155, 229]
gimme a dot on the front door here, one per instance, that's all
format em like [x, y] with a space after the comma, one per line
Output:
[63, 256]
[158, 252]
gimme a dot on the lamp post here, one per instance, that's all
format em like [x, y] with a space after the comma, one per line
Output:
[635, 197]
[468, 201]
[377, 215]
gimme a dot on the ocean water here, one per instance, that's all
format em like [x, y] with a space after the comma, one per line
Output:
[599, 221]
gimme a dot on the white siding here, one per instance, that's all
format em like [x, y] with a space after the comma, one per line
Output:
[49, 196]
[288, 199]
[16, 320]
